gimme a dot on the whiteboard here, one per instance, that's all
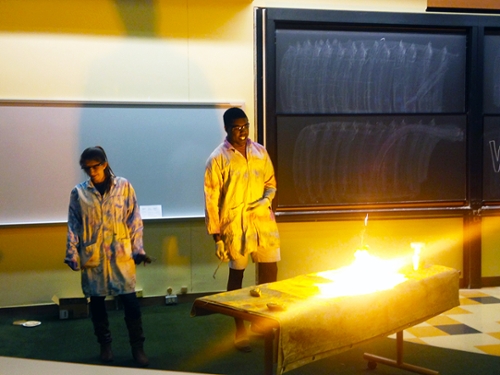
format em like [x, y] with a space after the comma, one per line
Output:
[160, 148]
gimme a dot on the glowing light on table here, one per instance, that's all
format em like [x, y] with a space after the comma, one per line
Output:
[367, 274]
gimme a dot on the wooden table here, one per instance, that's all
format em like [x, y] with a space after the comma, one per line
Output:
[311, 327]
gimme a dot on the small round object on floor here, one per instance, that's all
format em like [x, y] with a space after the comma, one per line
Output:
[31, 323]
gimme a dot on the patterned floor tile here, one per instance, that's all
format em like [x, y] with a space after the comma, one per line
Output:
[417, 341]
[493, 334]
[490, 349]
[441, 320]
[467, 343]
[469, 301]
[473, 326]
[457, 329]
[426, 331]
[472, 293]
[457, 311]
[486, 299]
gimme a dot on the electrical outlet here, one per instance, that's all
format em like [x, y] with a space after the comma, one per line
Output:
[171, 299]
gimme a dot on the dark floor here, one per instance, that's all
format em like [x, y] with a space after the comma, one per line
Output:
[176, 341]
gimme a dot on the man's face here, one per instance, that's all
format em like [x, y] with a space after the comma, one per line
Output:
[237, 134]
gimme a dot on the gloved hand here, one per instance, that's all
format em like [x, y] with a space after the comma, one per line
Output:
[260, 206]
[142, 258]
[73, 264]
[220, 252]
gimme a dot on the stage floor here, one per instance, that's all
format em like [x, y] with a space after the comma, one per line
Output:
[474, 326]
[21, 366]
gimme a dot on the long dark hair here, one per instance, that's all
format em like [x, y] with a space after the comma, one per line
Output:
[98, 154]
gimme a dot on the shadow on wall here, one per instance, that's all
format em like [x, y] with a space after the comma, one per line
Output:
[140, 18]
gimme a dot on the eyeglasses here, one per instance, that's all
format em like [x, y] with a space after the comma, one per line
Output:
[242, 127]
[90, 167]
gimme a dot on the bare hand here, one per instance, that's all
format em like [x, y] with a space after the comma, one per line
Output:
[220, 252]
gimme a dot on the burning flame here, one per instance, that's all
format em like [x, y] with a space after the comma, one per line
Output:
[417, 249]
[367, 274]
[363, 246]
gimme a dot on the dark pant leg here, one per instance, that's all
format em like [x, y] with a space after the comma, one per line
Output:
[268, 272]
[100, 319]
[133, 318]
[235, 281]
[131, 306]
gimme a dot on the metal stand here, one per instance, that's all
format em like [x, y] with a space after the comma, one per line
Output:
[374, 359]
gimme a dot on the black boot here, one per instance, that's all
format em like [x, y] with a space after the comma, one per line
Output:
[136, 337]
[106, 353]
[101, 330]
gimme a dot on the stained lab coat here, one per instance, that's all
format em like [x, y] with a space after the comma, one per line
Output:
[232, 182]
[104, 233]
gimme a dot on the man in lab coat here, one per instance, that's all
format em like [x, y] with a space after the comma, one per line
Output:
[239, 188]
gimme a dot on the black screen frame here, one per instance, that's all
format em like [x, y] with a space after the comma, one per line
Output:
[271, 20]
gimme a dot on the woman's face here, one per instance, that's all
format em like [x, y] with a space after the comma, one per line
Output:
[95, 170]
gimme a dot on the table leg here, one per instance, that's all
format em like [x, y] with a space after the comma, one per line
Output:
[269, 353]
[374, 359]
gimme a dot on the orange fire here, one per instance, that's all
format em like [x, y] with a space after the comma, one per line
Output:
[367, 274]
[417, 249]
